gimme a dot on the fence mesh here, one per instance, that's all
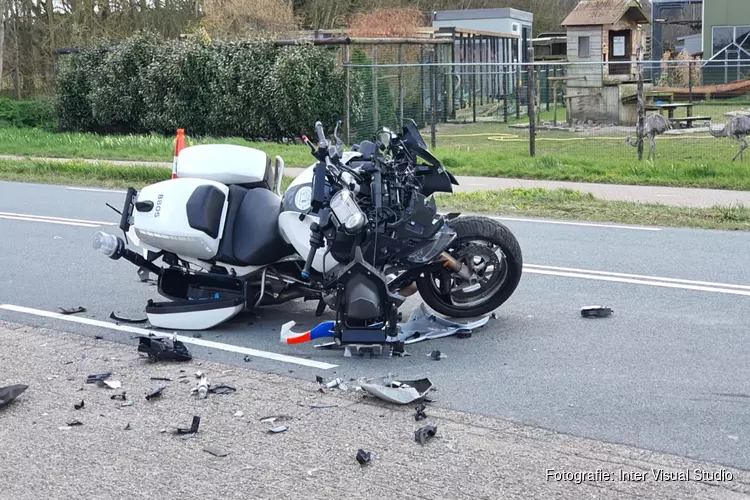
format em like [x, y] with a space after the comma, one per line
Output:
[583, 112]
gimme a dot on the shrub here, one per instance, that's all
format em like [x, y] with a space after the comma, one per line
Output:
[27, 113]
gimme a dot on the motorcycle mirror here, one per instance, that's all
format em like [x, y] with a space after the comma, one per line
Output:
[385, 136]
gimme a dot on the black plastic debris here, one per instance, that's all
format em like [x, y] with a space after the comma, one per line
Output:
[127, 427]
[197, 335]
[97, 378]
[11, 392]
[98, 337]
[221, 389]
[189, 430]
[155, 393]
[423, 434]
[321, 406]
[464, 334]
[164, 379]
[363, 457]
[78, 406]
[319, 379]
[596, 311]
[163, 349]
[419, 413]
[247, 358]
[120, 319]
[74, 310]
[216, 451]
[435, 355]
[121, 397]
[277, 430]
[74, 423]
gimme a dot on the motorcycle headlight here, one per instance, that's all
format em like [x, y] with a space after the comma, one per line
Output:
[347, 212]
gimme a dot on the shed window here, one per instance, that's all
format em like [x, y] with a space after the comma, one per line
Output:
[584, 49]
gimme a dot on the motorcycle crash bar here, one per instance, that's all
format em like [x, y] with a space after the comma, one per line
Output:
[114, 248]
[289, 337]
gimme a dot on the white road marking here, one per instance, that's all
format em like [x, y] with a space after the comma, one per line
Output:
[584, 224]
[55, 220]
[97, 190]
[638, 282]
[639, 276]
[187, 340]
[29, 219]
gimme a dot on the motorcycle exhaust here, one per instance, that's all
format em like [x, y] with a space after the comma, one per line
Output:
[456, 266]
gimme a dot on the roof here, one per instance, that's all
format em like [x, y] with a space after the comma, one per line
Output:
[502, 13]
[604, 12]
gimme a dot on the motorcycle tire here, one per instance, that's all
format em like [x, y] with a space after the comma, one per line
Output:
[473, 228]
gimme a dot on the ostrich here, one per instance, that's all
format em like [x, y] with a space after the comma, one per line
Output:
[737, 128]
[653, 125]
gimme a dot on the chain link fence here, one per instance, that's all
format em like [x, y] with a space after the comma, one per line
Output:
[582, 113]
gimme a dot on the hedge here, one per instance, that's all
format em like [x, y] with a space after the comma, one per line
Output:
[27, 113]
[251, 89]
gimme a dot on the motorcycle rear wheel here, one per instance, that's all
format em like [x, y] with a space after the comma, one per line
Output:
[494, 257]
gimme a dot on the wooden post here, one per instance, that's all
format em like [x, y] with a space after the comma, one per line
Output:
[348, 105]
[531, 102]
[641, 104]
[401, 85]
[506, 88]
[375, 117]
[690, 81]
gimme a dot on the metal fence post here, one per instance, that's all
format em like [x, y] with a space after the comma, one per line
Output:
[401, 85]
[348, 105]
[531, 103]
[375, 99]
[518, 90]
[505, 81]
[433, 104]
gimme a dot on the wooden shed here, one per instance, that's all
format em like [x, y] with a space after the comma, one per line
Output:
[603, 38]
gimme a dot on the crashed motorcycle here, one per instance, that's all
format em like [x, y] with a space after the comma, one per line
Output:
[357, 231]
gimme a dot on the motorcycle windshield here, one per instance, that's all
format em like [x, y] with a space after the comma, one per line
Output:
[415, 144]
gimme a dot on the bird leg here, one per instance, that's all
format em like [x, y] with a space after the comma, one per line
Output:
[743, 144]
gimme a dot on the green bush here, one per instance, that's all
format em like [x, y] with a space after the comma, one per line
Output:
[27, 113]
[250, 89]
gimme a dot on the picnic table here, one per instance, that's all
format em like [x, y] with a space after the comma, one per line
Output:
[670, 109]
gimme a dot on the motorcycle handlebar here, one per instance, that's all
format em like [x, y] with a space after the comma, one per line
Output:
[320, 132]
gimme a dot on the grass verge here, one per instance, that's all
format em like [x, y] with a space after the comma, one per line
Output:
[556, 204]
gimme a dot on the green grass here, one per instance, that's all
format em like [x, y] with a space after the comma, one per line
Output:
[555, 204]
[481, 149]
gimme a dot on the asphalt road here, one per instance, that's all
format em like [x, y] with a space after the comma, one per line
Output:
[667, 372]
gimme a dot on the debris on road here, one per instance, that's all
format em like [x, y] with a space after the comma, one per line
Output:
[78, 406]
[423, 434]
[112, 384]
[596, 311]
[437, 355]
[164, 379]
[163, 349]
[221, 389]
[216, 451]
[238, 413]
[97, 377]
[201, 388]
[420, 414]
[74, 423]
[318, 406]
[74, 310]
[189, 430]
[155, 393]
[399, 392]
[120, 319]
[270, 420]
[11, 392]
[129, 403]
[247, 358]
[277, 430]
[122, 396]
[198, 374]
[363, 457]
[338, 384]
[127, 427]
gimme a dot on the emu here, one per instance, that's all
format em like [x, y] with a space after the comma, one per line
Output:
[737, 128]
[653, 125]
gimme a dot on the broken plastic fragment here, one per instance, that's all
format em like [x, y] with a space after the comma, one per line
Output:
[163, 349]
[423, 325]
[112, 384]
[247, 358]
[11, 392]
[127, 427]
[155, 393]
[420, 414]
[189, 430]
[164, 379]
[126, 320]
[97, 377]
[221, 389]
[74, 310]
[270, 420]
[74, 423]
[122, 396]
[596, 311]
[423, 434]
[238, 413]
[404, 392]
[278, 429]
[363, 457]
[129, 403]
[437, 355]
[78, 406]
[321, 406]
[216, 451]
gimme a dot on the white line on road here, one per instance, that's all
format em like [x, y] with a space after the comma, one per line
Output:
[584, 224]
[29, 219]
[187, 340]
[97, 190]
[637, 282]
[639, 276]
[55, 220]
